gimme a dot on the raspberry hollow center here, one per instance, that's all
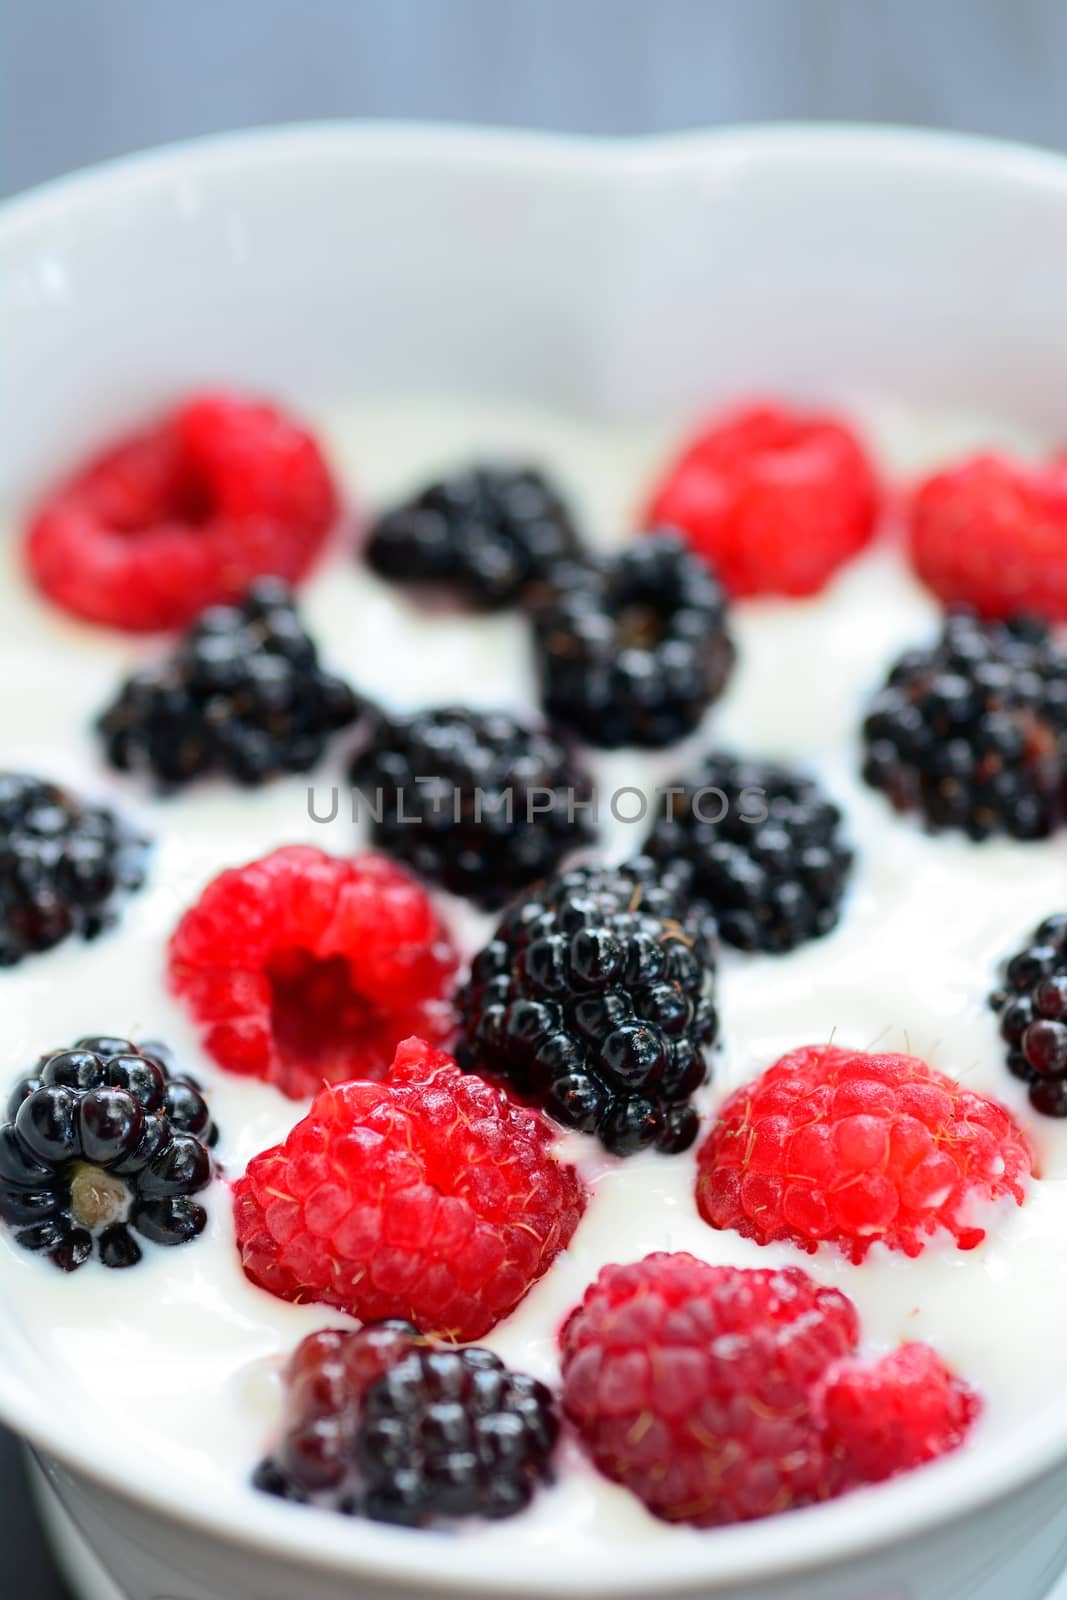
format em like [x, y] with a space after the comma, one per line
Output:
[317, 1013]
[176, 492]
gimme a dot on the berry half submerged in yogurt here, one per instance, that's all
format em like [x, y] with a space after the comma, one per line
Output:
[922, 928]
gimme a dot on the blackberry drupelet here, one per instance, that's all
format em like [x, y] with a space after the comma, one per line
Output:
[594, 1000]
[766, 847]
[972, 731]
[453, 1433]
[383, 1424]
[484, 533]
[1032, 1006]
[632, 649]
[480, 803]
[65, 866]
[243, 694]
[103, 1141]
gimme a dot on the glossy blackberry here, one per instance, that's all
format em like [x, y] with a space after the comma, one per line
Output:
[632, 649]
[483, 533]
[972, 732]
[766, 848]
[383, 1424]
[104, 1141]
[594, 1000]
[65, 866]
[480, 803]
[1031, 1003]
[242, 695]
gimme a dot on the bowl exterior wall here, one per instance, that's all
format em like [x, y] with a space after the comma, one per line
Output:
[1013, 1550]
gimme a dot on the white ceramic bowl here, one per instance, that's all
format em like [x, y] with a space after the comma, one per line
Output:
[619, 279]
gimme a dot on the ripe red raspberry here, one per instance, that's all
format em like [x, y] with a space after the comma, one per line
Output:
[184, 514]
[430, 1197]
[692, 1385]
[720, 1394]
[307, 969]
[992, 534]
[897, 1413]
[775, 499]
[842, 1147]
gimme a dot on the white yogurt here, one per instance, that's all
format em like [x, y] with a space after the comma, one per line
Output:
[908, 968]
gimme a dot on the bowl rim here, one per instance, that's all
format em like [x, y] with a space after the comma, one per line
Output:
[816, 1538]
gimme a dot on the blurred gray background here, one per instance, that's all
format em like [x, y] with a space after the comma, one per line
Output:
[84, 79]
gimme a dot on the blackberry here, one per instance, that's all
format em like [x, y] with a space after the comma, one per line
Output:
[1032, 1006]
[65, 866]
[381, 1423]
[103, 1141]
[242, 694]
[594, 1000]
[766, 847]
[484, 533]
[477, 802]
[632, 649]
[972, 732]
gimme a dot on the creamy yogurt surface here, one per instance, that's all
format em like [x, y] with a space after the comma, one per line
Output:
[189, 1347]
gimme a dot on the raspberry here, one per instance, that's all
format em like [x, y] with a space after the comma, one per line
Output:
[65, 866]
[992, 534]
[383, 1424]
[892, 1416]
[774, 498]
[305, 969]
[721, 1394]
[692, 1385]
[485, 533]
[102, 1139]
[1032, 1006]
[842, 1147]
[766, 848]
[482, 804]
[242, 694]
[972, 731]
[594, 1000]
[184, 514]
[631, 650]
[430, 1197]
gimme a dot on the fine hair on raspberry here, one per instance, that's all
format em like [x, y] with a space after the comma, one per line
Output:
[852, 1148]
[430, 1197]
